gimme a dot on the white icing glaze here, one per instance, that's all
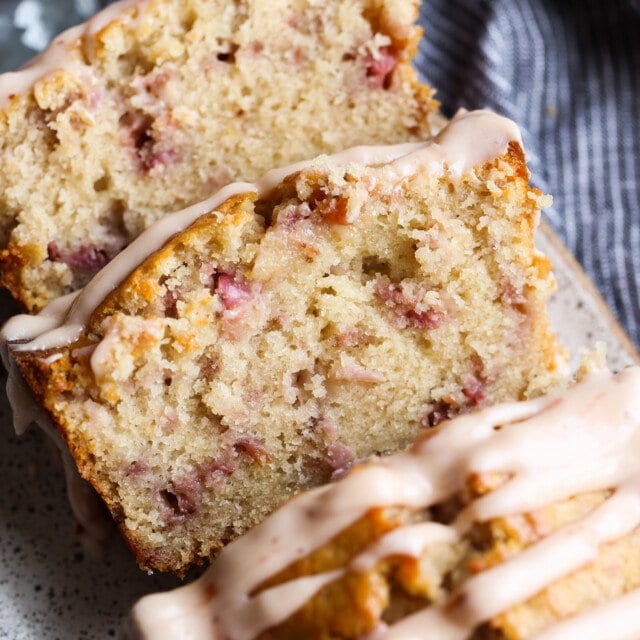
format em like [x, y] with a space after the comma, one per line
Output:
[23, 407]
[462, 147]
[61, 54]
[64, 53]
[87, 507]
[25, 327]
[21, 328]
[84, 503]
[615, 620]
[469, 140]
[551, 448]
[408, 541]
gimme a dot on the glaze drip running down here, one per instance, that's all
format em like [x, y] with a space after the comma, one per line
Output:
[599, 417]
[469, 140]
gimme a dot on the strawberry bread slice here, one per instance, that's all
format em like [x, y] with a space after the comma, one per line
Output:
[331, 311]
[154, 104]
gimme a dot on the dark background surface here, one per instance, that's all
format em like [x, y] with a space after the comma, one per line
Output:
[568, 71]
[26, 24]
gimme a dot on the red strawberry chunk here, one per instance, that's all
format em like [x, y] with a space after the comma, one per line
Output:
[340, 456]
[474, 391]
[85, 258]
[232, 290]
[252, 447]
[406, 304]
[379, 68]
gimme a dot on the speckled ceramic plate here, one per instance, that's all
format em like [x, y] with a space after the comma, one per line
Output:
[51, 587]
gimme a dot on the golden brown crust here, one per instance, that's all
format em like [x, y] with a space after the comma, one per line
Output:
[12, 263]
[47, 380]
[140, 286]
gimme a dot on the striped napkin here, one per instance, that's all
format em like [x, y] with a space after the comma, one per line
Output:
[568, 71]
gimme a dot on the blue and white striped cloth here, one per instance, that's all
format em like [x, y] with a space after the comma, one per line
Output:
[568, 71]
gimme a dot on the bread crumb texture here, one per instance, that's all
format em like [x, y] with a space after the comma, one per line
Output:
[276, 341]
[171, 100]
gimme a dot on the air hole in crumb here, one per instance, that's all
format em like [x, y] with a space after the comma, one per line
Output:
[327, 332]
[116, 212]
[139, 128]
[217, 418]
[179, 504]
[102, 184]
[299, 380]
[372, 266]
[130, 63]
[170, 500]
[169, 303]
[188, 21]
[228, 56]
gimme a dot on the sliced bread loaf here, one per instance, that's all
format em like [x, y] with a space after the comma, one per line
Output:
[154, 104]
[331, 311]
